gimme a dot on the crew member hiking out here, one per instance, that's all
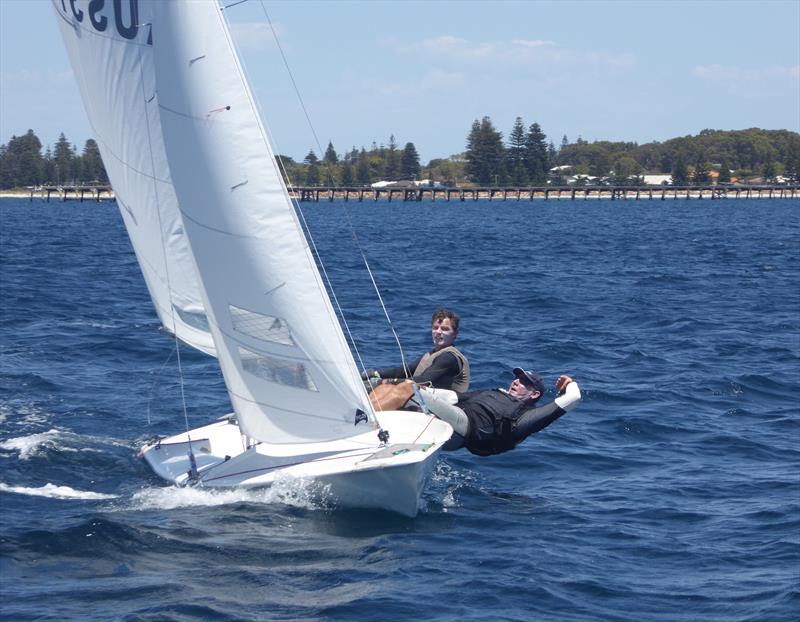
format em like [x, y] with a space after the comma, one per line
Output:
[496, 420]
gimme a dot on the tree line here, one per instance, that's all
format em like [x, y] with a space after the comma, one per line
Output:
[525, 158]
[22, 163]
[743, 154]
[528, 158]
[356, 167]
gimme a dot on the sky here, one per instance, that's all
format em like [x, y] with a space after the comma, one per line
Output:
[638, 71]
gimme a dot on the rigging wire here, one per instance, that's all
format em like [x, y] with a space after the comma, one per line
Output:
[344, 207]
[325, 275]
[192, 462]
[155, 381]
[299, 210]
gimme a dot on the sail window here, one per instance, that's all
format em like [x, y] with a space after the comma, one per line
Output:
[195, 319]
[260, 326]
[274, 369]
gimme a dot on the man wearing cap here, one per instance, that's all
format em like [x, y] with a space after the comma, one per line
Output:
[496, 420]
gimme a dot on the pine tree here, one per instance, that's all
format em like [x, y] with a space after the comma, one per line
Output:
[75, 166]
[391, 161]
[347, 174]
[552, 154]
[22, 161]
[330, 157]
[62, 156]
[485, 153]
[312, 172]
[48, 167]
[536, 155]
[409, 162]
[515, 154]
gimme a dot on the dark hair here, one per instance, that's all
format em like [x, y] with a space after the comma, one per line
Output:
[446, 314]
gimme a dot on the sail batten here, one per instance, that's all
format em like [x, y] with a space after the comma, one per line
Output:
[289, 372]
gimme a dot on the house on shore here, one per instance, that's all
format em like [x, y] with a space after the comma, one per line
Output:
[657, 180]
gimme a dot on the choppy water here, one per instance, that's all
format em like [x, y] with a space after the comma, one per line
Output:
[672, 493]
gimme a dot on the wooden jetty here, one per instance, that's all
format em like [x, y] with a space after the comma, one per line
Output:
[317, 193]
[557, 193]
[73, 191]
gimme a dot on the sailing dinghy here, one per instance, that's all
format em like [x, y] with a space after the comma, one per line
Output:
[228, 266]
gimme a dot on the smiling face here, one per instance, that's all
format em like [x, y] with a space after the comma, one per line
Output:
[523, 392]
[443, 333]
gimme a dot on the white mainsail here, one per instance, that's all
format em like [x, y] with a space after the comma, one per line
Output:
[288, 369]
[109, 45]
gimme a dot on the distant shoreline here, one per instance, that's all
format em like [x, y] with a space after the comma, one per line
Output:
[11, 194]
[545, 193]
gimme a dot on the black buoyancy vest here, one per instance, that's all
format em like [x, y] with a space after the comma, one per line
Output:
[497, 411]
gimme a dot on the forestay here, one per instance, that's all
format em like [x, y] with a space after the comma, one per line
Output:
[109, 46]
[287, 366]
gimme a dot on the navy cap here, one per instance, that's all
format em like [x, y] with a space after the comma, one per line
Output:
[530, 379]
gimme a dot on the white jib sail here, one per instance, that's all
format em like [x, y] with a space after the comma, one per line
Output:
[288, 369]
[109, 46]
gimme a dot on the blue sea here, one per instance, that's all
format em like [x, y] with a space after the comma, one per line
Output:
[672, 493]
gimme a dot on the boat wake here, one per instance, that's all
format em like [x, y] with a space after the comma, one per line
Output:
[296, 493]
[55, 492]
[32, 445]
[448, 482]
[299, 493]
[22, 414]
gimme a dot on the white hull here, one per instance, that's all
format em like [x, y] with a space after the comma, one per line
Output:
[358, 471]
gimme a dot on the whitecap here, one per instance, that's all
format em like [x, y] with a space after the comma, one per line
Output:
[62, 440]
[27, 446]
[22, 414]
[89, 323]
[55, 492]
